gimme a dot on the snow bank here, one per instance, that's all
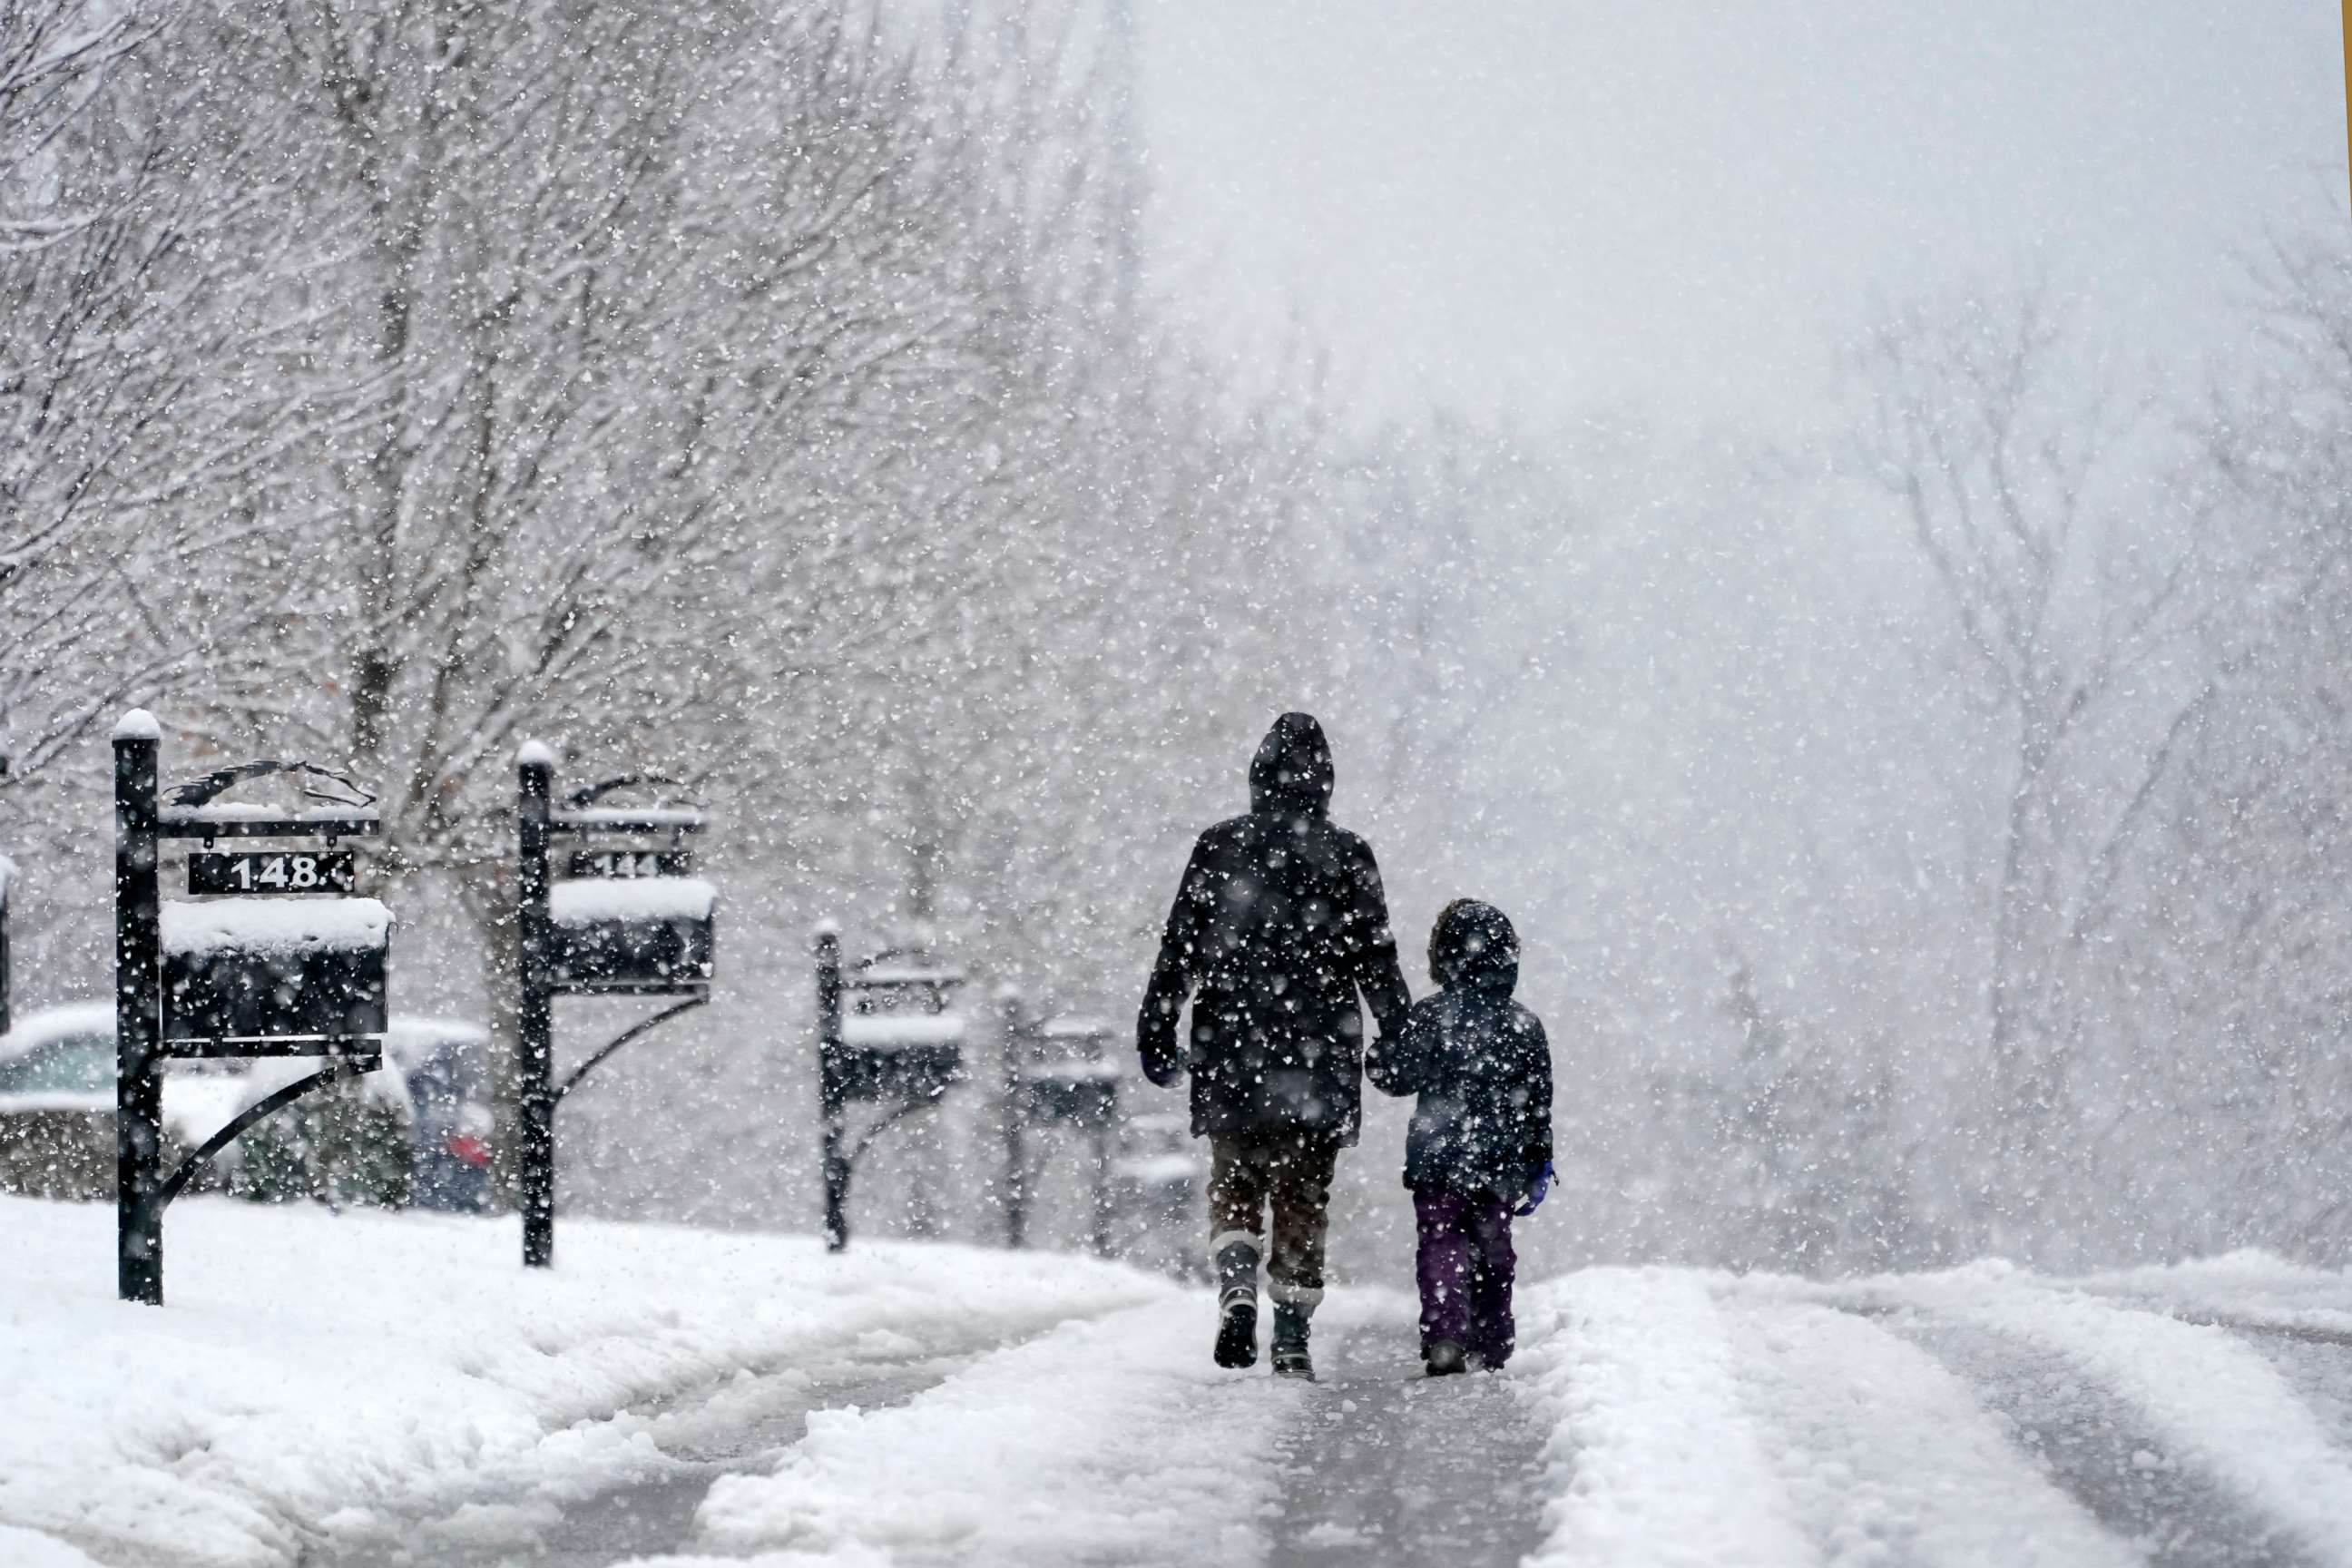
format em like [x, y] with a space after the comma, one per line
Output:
[314, 1373]
[1655, 1459]
[275, 926]
[583, 900]
[1111, 1441]
[897, 1031]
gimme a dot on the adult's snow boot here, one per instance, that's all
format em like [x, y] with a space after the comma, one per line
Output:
[1237, 1302]
[1444, 1358]
[1290, 1357]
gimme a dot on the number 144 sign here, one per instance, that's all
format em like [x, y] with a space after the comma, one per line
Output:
[631, 863]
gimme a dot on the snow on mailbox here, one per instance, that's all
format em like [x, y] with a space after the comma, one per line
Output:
[646, 934]
[253, 976]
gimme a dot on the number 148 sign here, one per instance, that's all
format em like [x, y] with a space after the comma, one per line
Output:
[273, 871]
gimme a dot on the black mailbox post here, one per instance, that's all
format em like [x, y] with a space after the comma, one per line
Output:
[7, 876]
[1058, 1073]
[627, 919]
[886, 1035]
[272, 956]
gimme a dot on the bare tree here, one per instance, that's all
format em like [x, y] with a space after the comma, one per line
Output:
[2243, 972]
[2067, 585]
[133, 286]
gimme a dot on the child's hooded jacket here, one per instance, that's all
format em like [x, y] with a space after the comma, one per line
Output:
[1478, 1060]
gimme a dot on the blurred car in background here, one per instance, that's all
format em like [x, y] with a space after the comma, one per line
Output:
[56, 1103]
[416, 1131]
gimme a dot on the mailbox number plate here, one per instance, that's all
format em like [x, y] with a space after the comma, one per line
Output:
[627, 863]
[273, 871]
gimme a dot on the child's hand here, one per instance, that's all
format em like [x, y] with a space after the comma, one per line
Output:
[1538, 1184]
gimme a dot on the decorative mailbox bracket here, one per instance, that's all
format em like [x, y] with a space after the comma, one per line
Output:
[886, 1035]
[273, 956]
[627, 919]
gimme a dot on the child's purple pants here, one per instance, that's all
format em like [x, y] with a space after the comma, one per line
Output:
[1465, 1269]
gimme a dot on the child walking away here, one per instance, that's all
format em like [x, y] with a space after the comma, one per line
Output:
[1480, 1148]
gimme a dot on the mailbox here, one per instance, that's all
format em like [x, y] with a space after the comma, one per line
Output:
[899, 1055]
[887, 1036]
[267, 976]
[1071, 1078]
[640, 934]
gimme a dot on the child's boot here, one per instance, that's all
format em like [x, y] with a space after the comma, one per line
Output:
[1290, 1356]
[1236, 1300]
[1444, 1358]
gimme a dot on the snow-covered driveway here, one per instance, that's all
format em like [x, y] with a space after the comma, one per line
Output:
[367, 1391]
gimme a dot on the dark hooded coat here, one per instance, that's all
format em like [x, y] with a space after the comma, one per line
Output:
[1478, 1060]
[1279, 923]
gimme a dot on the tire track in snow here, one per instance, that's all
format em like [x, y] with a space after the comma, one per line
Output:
[1889, 1457]
[2105, 1453]
[2317, 1365]
[2206, 1397]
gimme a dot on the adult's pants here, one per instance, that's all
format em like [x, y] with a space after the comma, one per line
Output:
[1289, 1173]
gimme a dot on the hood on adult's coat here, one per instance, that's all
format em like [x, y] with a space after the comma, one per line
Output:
[1291, 774]
[1475, 946]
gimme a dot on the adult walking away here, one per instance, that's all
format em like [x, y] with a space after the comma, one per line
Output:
[1279, 923]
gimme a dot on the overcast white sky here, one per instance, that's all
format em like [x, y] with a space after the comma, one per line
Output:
[1536, 203]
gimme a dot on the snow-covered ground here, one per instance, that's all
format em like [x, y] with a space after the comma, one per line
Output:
[315, 1375]
[371, 1390]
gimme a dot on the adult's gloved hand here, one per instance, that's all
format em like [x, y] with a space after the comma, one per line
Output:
[1538, 1184]
[1162, 1063]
